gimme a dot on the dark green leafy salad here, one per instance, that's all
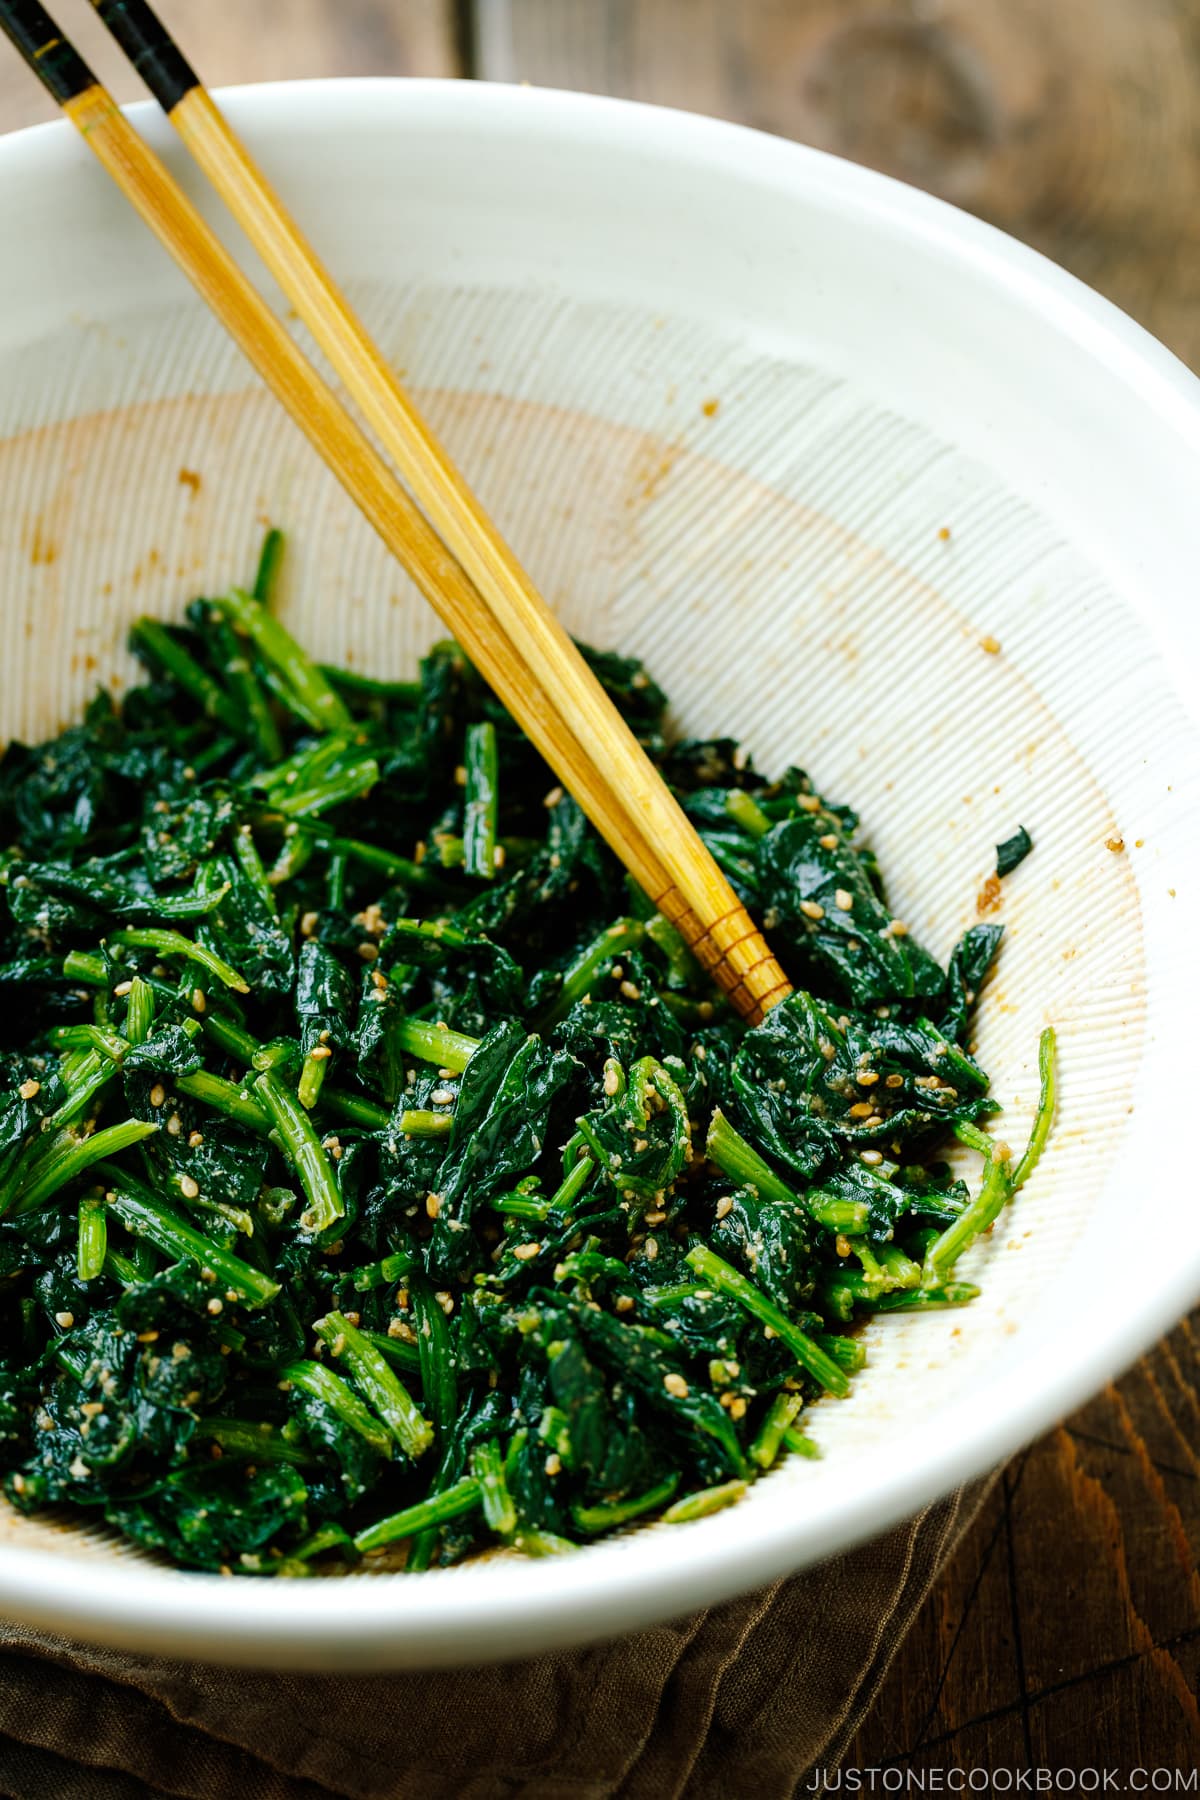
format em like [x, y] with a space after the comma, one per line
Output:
[376, 1164]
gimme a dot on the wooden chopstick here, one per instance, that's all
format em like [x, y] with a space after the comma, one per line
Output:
[455, 555]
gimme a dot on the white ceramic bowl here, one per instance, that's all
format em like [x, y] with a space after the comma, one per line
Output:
[570, 285]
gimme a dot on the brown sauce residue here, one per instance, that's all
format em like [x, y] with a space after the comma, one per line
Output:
[989, 896]
[42, 549]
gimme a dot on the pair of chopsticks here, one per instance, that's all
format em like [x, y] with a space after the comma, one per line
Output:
[437, 529]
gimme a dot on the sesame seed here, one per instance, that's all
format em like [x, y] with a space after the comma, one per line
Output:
[28, 1090]
[195, 1138]
[308, 923]
[651, 1249]
[158, 1094]
[866, 1077]
[990, 644]
[188, 1188]
[553, 797]
[812, 909]
[808, 802]
[64, 1320]
[675, 1384]
[898, 928]
[612, 1080]
[724, 1206]
[829, 841]
[872, 1158]
[319, 1053]
[623, 1303]
[444, 1300]
[147, 1337]
[460, 776]
[199, 1003]
[737, 1407]
[554, 1463]
[368, 951]
[524, 1252]
[893, 1081]
[656, 1217]
[174, 1125]
[631, 990]
[861, 1110]
[442, 1097]
[122, 988]
[498, 856]
[843, 899]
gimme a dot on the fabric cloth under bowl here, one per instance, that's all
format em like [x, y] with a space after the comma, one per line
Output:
[747, 1698]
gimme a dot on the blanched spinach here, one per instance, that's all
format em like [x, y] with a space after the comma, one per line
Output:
[376, 1162]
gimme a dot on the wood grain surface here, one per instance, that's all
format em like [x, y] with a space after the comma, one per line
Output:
[1071, 125]
[1066, 1633]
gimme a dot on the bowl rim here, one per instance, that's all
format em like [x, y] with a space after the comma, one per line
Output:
[443, 1619]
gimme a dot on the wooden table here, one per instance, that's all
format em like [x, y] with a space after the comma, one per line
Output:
[1067, 1631]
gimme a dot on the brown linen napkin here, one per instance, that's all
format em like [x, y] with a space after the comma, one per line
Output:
[744, 1699]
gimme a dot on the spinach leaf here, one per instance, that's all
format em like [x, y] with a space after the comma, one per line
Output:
[1013, 851]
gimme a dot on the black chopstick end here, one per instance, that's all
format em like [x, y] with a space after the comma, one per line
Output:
[150, 48]
[53, 59]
